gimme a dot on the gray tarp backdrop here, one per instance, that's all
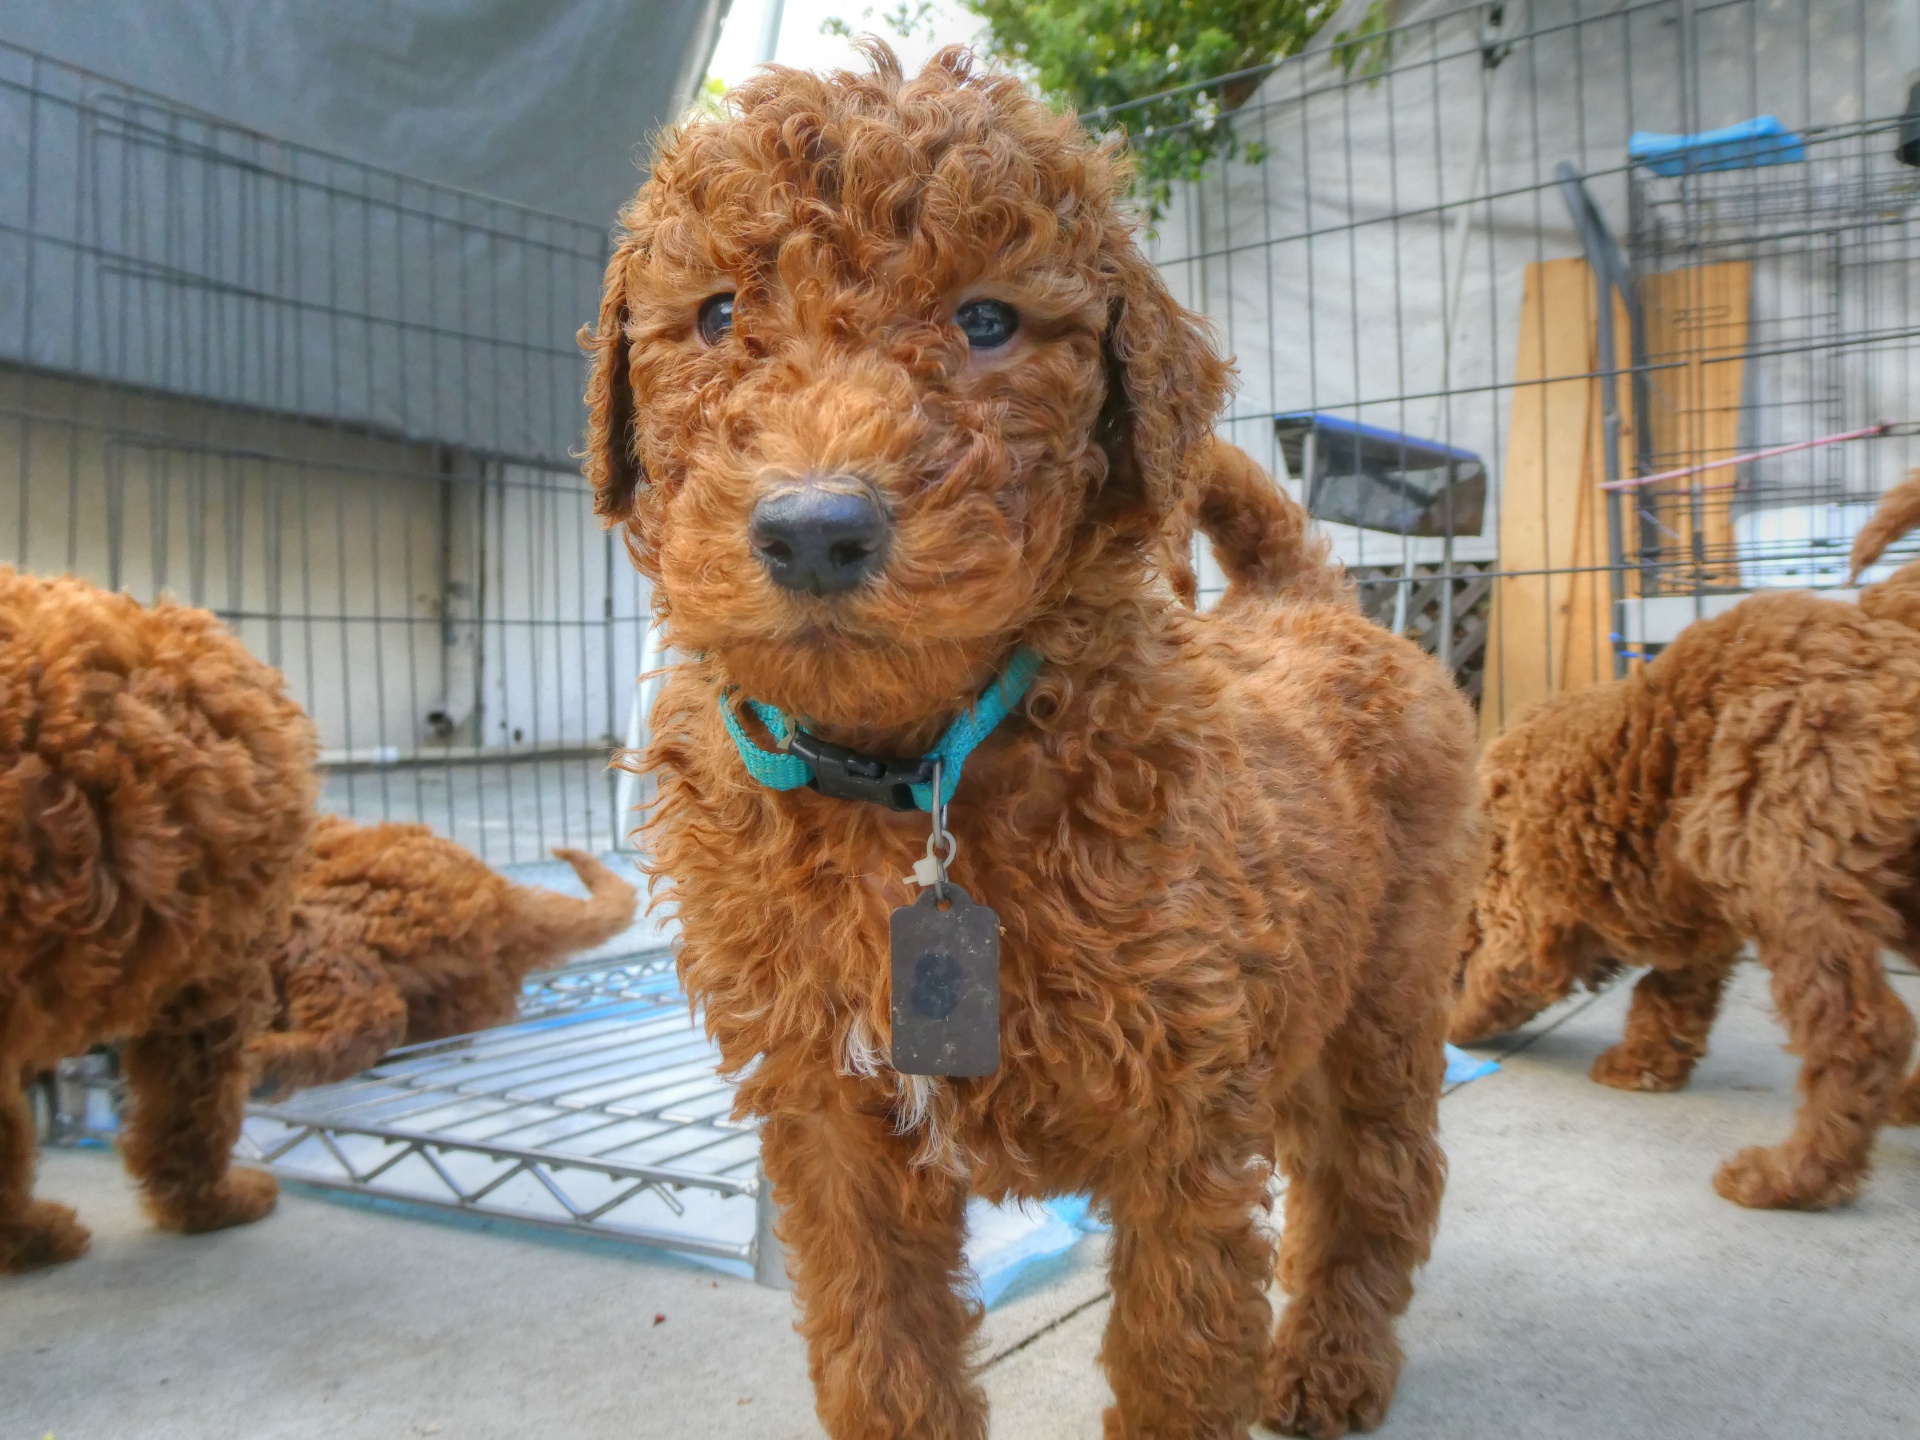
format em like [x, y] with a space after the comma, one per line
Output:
[294, 253]
[541, 101]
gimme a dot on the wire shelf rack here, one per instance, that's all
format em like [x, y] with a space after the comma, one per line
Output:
[599, 1112]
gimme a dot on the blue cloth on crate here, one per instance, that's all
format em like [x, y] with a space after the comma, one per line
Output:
[1760, 141]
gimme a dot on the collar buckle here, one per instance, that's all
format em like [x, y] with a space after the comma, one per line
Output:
[849, 775]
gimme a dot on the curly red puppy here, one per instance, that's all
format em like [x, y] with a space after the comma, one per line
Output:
[885, 395]
[156, 797]
[1759, 780]
[400, 937]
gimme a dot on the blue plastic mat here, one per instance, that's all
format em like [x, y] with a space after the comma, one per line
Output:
[1462, 1067]
[1760, 141]
[1013, 1247]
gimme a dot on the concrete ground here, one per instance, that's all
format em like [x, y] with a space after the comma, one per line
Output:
[1587, 1282]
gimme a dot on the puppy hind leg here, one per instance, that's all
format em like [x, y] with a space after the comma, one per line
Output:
[1189, 1269]
[343, 1013]
[1906, 1105]
[1667, 1026]
[32, 1232]
[1365, 1179]
[1853, 1037]
[188, 1085]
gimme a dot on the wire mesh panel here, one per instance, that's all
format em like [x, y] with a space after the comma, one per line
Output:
[336, 406]
[1406, 238]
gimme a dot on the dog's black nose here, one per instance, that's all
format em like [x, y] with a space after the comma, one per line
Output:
[819, 537]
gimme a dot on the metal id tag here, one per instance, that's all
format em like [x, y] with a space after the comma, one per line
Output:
[946, 985]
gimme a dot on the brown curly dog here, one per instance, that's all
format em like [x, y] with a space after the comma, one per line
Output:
[156, 796]
[884, 393]
[400, 937]
[1759, 780]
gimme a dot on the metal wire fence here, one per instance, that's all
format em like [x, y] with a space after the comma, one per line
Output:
[337, 406]
[1512, 347]
[1502, 300]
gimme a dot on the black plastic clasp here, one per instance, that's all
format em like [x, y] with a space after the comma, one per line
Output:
[848, 775]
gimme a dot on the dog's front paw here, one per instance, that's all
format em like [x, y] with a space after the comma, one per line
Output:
[240, 1198]
[1625, 1068]
[1783, 1179]
[1322, 1384]
[47, 1234]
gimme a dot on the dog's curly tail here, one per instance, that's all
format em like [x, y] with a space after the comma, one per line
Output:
[1899, 512]
[1262, 538]
[551, 924]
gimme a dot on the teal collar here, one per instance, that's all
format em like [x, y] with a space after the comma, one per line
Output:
[804, 759]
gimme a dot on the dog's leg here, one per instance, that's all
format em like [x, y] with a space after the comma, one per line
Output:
[1511, 978]
[1189, 1269]
[874, 1249]
[188, 1086]
[343, 1013]
[1853, 1037]
[32, 1232]
[1365, 1176]
[1667, 1026]
[1906, 1106]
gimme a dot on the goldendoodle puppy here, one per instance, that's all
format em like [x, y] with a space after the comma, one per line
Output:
[399, 936]
[1759, 780]
[156, 798]
[897, 418]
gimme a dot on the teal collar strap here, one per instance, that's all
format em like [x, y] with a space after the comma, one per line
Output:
[804, 759]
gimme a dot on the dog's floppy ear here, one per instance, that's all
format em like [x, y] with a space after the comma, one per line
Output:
[1164, 387]
[611, 466]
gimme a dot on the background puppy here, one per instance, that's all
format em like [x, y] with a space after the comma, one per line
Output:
[883, 392]
[401, 937]
[1759, 780]
[156, 797]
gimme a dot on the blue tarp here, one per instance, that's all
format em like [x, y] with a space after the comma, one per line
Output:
[1760, 141]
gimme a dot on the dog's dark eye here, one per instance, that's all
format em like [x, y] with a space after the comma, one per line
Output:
[716, 318]
[988, 324]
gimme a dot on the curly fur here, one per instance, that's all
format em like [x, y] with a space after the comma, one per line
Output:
[156, 795]
[1760, 781]
[1230, 853]
[401, 937]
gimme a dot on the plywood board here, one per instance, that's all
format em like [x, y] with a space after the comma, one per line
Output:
[1549, 434]
[1696, 325]
[1584, 650]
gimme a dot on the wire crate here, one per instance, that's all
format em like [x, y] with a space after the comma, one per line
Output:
[1438, 235]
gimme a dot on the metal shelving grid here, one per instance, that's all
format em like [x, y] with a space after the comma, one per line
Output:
[599, 1112]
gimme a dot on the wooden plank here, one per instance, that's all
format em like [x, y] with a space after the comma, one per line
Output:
[1548, 439]
[1696, 321]
[1585, 649]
